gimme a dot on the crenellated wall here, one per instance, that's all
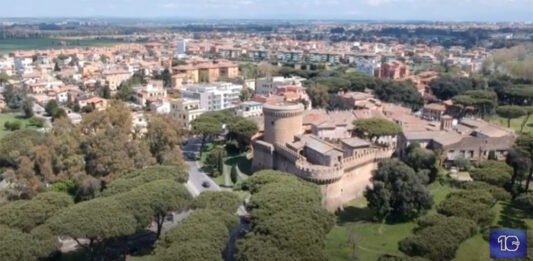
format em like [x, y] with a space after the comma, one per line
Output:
[339, 184]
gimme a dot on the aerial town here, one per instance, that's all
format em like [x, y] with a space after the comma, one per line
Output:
[268, 141]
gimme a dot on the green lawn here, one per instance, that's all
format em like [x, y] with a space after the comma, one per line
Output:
[477, 249]
[9, 45]
[357, 236]
[515, 123]
[11, 117]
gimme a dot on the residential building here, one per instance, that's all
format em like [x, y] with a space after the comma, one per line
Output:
[269, 85]
[214, 96]
[392, 70]
[150, 93]
[186, 110]
[208, 71]
[249, 109]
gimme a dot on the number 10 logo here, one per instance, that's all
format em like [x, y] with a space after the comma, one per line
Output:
[508, 243]
[504, 245]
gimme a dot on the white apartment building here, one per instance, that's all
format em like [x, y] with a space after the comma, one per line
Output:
[249, 109]
[214, 96]
[268, 85]
[186, 110]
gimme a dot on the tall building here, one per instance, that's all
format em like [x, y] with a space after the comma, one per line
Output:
[214, 96]
[181, 48]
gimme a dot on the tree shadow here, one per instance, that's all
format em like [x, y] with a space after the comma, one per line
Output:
[244, 164]
[21, 117]
[512, 217]
[355, 214]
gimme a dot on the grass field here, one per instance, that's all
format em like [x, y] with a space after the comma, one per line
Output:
[515, 123]
[357, 237]
[9, 45]
[11, 117]
[477, 249]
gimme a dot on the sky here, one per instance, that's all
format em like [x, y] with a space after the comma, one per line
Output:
[431, 10]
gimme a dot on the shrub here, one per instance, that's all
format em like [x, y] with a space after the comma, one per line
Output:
[525, 202]
[12, 125]
[470, 204]
[36, 122]
[438, 237]
[496, 192]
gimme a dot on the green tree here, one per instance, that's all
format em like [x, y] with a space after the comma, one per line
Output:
[319, 95]
[125, 91]
[17, 245]
[53, 110]
[493, 172]
[519, 160]
[201, 236]
[28, 214]
[470, 204]
[36, 122]
[510, 112]
[482, 100]
[27, 107]
[233, 174]
[136, 178]
[13, 96]
[246, 94]
[12, 125]
[525, 202]
[446, 87]
[376, 127]
[404, 93]
[497, 192]
[226, 201]
[97, 220]
[529, 111]
[397, 192]
[438, 237]
[242, 130]
[215, 161]
[163, 137]
[106, 92]
[286, 217]
[108, 147]
[525, 143]
[421, 159]
[152, 201]
[210, 124]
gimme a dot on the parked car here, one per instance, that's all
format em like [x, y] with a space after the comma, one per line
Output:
[206, 184]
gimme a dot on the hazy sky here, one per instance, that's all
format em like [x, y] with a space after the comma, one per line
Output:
[445, 10]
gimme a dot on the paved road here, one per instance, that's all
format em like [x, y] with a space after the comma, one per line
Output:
[196, 176]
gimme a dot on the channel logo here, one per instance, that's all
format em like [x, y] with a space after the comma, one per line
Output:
[508, 243]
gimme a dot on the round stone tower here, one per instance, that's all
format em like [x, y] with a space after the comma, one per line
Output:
[282, 122]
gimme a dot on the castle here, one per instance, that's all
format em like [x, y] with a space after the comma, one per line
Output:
[318, 146]
[342, 167]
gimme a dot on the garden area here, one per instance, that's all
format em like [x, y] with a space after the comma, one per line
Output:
[357, 235]
[415, 209]
[10, 122]
[228, 167]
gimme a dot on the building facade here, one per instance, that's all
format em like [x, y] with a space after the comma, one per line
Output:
[214, 97]
[342, 171]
